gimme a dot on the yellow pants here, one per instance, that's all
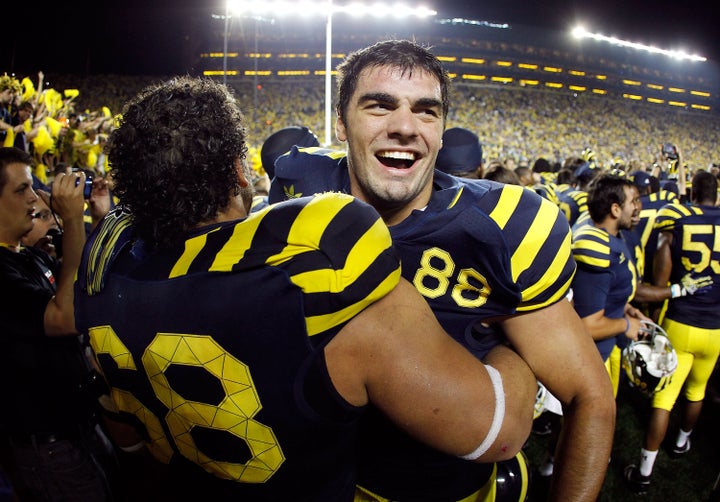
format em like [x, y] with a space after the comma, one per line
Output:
[613, 365]
[697, 351]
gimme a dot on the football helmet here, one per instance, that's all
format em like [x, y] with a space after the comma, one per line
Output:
[512, 479]
[651, 361]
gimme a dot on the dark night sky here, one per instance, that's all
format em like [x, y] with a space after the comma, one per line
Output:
[158, 36]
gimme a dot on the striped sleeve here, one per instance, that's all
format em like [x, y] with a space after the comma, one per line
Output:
[591, 248]
[538, 238]
[670, 213]
[334, 248]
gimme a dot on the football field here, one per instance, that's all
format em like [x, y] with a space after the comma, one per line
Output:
[689, 478]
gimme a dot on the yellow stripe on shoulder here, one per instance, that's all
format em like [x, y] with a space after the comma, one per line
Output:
[360, 257]
[508, 202]
[239, 242]
[320, 324]
[193, 246]
[310, 225]
[534, 239]
[550, 276]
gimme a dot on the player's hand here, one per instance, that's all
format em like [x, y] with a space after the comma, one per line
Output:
[694, 285]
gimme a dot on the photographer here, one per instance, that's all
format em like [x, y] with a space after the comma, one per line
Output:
[48, 417]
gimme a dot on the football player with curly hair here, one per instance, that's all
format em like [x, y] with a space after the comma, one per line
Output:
[241, 349]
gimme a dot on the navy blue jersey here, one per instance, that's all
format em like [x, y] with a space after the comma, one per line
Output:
[479, 251]
[696, 249]
[651, 204]
[572, 203]
[547, 190]
[216, 345]
[632, 242]
[605, 279]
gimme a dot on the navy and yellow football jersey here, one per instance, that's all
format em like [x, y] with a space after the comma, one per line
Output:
[547, 190]
[696, 249]
[216, 346]
[479, 251]
[573, 203]
[632, 242]
[605, 279]
[651, 204]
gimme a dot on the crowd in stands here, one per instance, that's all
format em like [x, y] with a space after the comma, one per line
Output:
[512, 123]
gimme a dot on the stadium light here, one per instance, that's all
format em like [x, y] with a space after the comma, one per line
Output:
[310, 9]
[580, 32]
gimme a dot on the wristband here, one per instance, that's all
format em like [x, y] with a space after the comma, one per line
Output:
[498, 416]
[676, 290]
[133, 448]
[627, 325]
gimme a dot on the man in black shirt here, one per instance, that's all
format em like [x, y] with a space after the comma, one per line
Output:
[47, 413]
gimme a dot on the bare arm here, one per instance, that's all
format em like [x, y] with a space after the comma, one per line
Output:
[554, 342]
[600, 327]
[396, 355]
[662, 263]
[648, 293]
[67, 201]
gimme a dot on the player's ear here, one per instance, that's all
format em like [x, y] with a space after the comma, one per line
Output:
[616, 210]
[340, 131]
[242, 174]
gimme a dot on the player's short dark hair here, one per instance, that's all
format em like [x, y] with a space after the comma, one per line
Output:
[704, 187]
[174, 154]
[405, 55]
[606, 190]
[12, 155]
[501, 174]
[566, 176]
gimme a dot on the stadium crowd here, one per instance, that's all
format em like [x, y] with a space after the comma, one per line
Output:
[527, 132]
[512, 123]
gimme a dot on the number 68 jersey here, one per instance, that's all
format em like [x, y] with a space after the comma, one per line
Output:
[216, 346]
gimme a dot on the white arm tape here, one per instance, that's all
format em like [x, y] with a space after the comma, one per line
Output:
[133, 448]
[498, 416]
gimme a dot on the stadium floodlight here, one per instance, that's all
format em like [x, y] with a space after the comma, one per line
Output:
[580, 32]
[307, 8]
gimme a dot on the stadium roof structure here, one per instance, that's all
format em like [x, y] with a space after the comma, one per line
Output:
[475, 52]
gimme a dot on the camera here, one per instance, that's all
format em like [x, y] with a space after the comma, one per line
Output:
[87, 190]
[669, 151]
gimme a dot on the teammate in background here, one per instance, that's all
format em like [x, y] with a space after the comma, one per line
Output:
[686, 244]
[539, 179]
[461, 154]
[248, 346]
[606, 279]
[572, 182]
[492, 260]
[652, 199]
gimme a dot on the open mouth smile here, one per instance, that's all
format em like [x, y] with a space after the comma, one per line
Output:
[396, 159]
